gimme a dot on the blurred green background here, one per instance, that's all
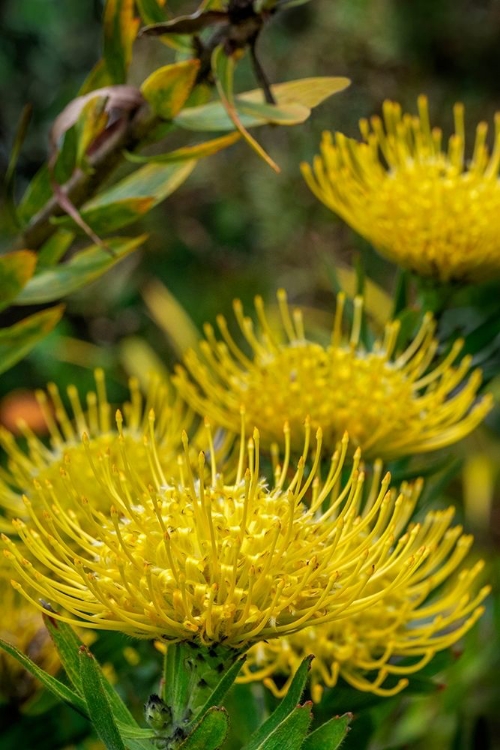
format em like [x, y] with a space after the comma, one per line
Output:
[237, 229]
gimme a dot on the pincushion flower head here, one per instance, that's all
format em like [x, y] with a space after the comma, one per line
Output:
[377, 650]
[66, 464]
[391, 403]
[191, 558]
[423, 206]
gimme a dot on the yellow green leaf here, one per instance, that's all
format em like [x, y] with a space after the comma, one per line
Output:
[17, 340]
[16, 269]
[91, 122]
[167, 89]
[310, 92]
[107, 218]
[120, 30]
[171, 317]
[199, 151]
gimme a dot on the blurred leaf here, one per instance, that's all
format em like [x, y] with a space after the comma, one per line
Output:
[36, 195]
[167, 89]
[309, 92]
[98, 78]
[16, 269]
[172, 318]
[56, 687]
[140, 360]
[151, 11]
[17, 340]
[286, 114]
[193, 24]
[223, 69]
[54, 248]
[91, 122]
[199, 151]
[285, 708]
[209, 733]
[84, 267]
[9, 179]
[120, 31]
[99, 710]
[110, 217]
[329, 736]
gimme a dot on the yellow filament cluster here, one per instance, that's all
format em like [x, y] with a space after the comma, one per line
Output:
[67, 464]
[378, 649]
[422, 206]
[193, 558]
[22, 626]
[391, 404]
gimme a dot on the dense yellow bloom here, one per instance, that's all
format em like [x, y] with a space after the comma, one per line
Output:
[67, 465]
[195, 558]
[22, 626]
[422, 206]
[376, 650]
[391, 404]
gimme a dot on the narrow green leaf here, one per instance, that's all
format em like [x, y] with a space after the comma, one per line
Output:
[226, 682]
[109, 218]
[98, 706]
[291, 732]
[178, 680]
[84, 267]
[36, 195]
[16, 269]
[286, 114]
[10, 174]
[57, 688]
[287, 705]
[91, 122]
[168, 88]
[54, 248]
[17, 340]
[329, 736]
[67, 644]
[150, 11]
[209, 733]
[120, 30]
[199, 151]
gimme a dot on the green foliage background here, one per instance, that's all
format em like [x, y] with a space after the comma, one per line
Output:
[235, 229]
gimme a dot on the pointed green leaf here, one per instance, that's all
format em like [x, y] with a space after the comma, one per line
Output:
[109, 218]
[84, 267]
[57, 688]
[15, 271]
[54, 248]
[67, 644]
[200, 151]
[91, 122]
[36, 195]
[150, 11]
[209, 733]
[17, 340]
[226, 682]
[291, 732]
[120, 30]
[167, 89]
[99, 710]
[287, 705]
[329, 736]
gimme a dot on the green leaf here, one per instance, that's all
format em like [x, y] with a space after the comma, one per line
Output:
[99, 710]
[168, 88]
[16, 269]
[150, 11]
[330, 735]
[291, 732]
[84, 267]
[17, 340]
[54, 248]
[199, 151]
[156, 181]
[36, 195]
[285, 708]
[209, 733]
[109, 218]
[223, 686]
[57, 688]
[67, 644]
[120, 30]
[91, 122]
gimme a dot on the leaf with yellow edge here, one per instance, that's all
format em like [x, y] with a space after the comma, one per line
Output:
[167, 89]
[91, 122]
[151, 10]
[16, 269]
[120, 30]
[223, 68]
[199, 151]
[17, 340]
[109, 218]
[310, 92]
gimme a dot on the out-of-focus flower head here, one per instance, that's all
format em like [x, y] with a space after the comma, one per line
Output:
[425, 207]
[391, 403]
[377, 649]
[193, 557]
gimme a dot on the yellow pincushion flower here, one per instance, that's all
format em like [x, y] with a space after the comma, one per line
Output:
[42, 464]
[422, 206]
[22, 626]
[391, 404]
[197, 559]
[376, 650]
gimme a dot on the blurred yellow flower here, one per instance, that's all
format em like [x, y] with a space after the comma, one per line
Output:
[391, 404]
[376, 650]
[67, 465]
[22, 626]
[422, 206]
[198, 559]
